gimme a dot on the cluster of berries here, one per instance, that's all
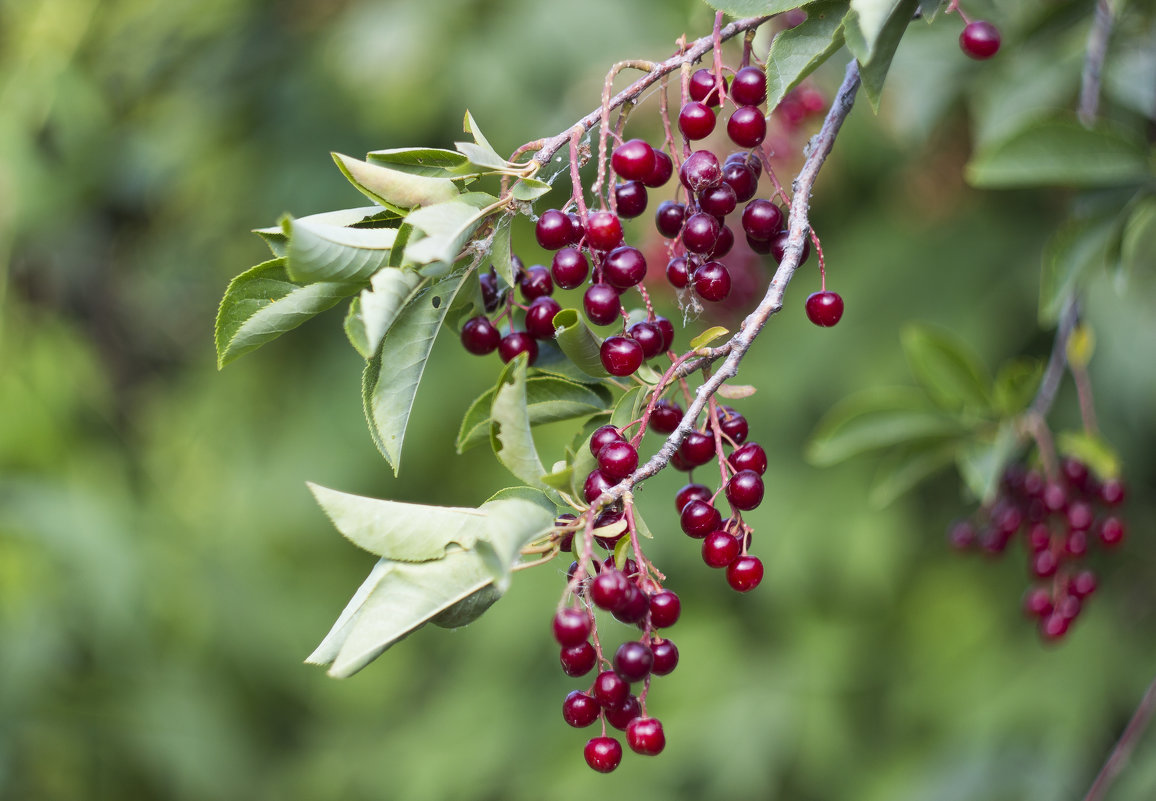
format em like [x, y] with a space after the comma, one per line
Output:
[1060, 518]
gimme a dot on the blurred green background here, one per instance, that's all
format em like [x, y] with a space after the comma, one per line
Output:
[163, 570]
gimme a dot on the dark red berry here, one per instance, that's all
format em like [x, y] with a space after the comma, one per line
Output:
[1054, 626]
[979, 39]
[579, 709]
[518, 342]
[665, 417]
[624, 267]
[720, 548]
[750, 160]
[1055, 496]
[712, 281]
[1045, 564]
[479, 336]
[668, 219]
[540, 318]
[649, 336]
[699, 232]
[491, 295]
[745, 490]
[630, 199]
[1076, 545]
[632, 661]
[700, 171]
[691, 492]
[603, 230]
[722, 245]
[601, 304]
[1076, 472]
[704, 87]
[741, 179]
[596, 484]
[1039, 537]
[666, 328]
[961, 535]
[762, 219]
[1037, 602]
[676, 272]
[572, 626]
[569, 268]
[663, 169]
[633, 160]
[620, 716]
[536, 283]
[749, 86]
[1080, 515]
[1083, 584]
[699, 518]
[617, 460]
[645, 736]
[779, 242]
[747, 127]
[603, 436]
[608, 589]
[1111, 532]
[577, 229]
[824, 308]
[718, 201]
[620, 355]
[696, 120]
[750, 456]
[665, 658]
[665, 607]
[578, 660]
[603, 754]
[634, 607]
[734, 425]
[552, 230]
[697, 448]
[745, 573]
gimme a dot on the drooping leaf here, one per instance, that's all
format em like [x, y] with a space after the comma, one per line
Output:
[797, 52]
[510, 433]
[548, 399]
[480, 153]
[1059, 151]
[708, 336]
[445, 227]
[579, 343]
[949, 370]
[905, 468]
[277, 240]
[877, 419]
[405, 348]
[1092, 449]
[428, 161]
[392, 188]
[982, 461]
[528, 189]
[865, 23]
[1074, 253]
[874, 70]
[262, 303]
[320, 252]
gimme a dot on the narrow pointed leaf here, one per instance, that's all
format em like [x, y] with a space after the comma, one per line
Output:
[277, 240]
[528, 189]
[510, 434]
[864, 25]
[708, 336]
[392, 188]
[797, 52]
[428, 161]
[982, 461]
[481, 153]
[379, 306]
[445, 227]
[753, 8]
[327, 651]
[501, 253]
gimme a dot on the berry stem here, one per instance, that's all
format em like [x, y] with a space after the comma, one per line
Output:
[1087, 404]
[604, 116]
[575, 144]
[1123, 748]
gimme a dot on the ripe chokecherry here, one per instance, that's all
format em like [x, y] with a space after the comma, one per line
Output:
[747, 127]
[712, 281]
[630, 199]
[745, 573]
[572, 626]
[665, 608]
[617, 460]
[518, 342]
[579, 709]
[663, 169]
[540, 318]
[979, 40]
[569, 268]
[665, 417]
[621, 356]
[603, 230]
[665, 658]
[479, 336]
[536, 283]
[645, 736]
[601, 304]
[624, 267]
[633, 160]
[603, 754]
[749, 86]
[649, 336]
[824, 309]
[552, 230]
[696, 120]
[704, 87]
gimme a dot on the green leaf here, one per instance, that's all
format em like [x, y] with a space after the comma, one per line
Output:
[1059, 151]
[982, 461]
[929, 9]
[874, 70]
[560, 479]
[548, 399]
[321, 252]
[528, 189]
[552, 361]
[708, 336]
[501, 253]
[1015, 386]
[480, 153]
[628, 409]
[581, 466]
[905, 468]
[510, 428]
[428, 161]
[355, 329]
[874, 420]
[796, 52]
[1138, 247]
[392, 188]
[262, 303]
[947, 368]
[405, 348]
[621, 551]
[753, 8]
[446, 227]
[579, 343]
[1091, 449]
[378, 307]
[277, 240]
[865, 23]
[1076, 250]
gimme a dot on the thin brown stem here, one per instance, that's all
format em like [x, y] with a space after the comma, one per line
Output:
[1094, 56]
[1123, 749]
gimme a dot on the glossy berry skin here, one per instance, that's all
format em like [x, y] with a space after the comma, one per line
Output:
[735, 426]
[712, 281]
[617, 460]
[610, 689]
[666, 328]
[745, 490]
[696, 120]
[620, 355]
[778, 244]
[569, 268]
[665, 608]
[719, 549]
[632, 661]
[536, 283]
[578, 660]
[603, 754]
[608, 589]
[979, 39]
[624, 267]
[630, 199]
[699, 518]
[663, 169]
[518, 342]
[645, 736]
[596, 483]
[704, 87]
[601, 304]
[634, 606]
[479, 336]
[745, 573]
[722, 245]
[603, 230]
[552, 230]
[762, 219]
[741, 179]
[700, 232]
[540, 318]
[491, 295]
[668, 219]
[572, 626]
[676, 272]
[633, 160]
[824, 309]
[747, 127]
[691, 492]
[697, 449]
[579, 709]
[749, 86]
[718, 201]
[665, 658]
[749, 456]
[603, 436]
[700, 171]
[649, 336]
[665, 417]
[620, 716]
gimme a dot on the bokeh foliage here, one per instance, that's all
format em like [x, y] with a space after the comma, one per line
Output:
[164, 571]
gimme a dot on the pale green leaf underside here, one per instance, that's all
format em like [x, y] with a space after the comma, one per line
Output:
[981, 462]
[445, 228]
[510, 432]
[428, 161]
[874, 70]
[865, 23]
[262, 303]
[278, 242]
[392, 188]
[380, 305]
[321, 252]
[753, 8]
[580, 344]
[797, 52]
[548, 399]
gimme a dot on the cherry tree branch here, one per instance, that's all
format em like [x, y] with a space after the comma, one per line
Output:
[1094, 62]
[798, 227]
[1123, 749]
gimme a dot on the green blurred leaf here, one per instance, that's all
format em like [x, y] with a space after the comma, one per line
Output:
[560, 479]
[548, 399]
[874, 70]
[446, 227]
[510, 433]
[1060, 151]
[982, 460]
[1077, 249]
[528, 189]
[1015, 385]
[1138, 246]
[579, 343]
[1092, 449]
[552, 361]
[753, 8]
[929, 9]
[947, 368]
[388, 395]
[262, 303]
[428, 161]
[796, 52]
[392, 188]
[320, 252]
[876, 419]
[904, 468]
